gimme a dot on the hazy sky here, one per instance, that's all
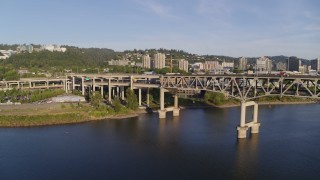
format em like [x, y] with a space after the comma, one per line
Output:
[220, 27]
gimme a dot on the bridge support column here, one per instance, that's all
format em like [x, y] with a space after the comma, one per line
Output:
[122, 92]
[109, 90]
[244, 126]
[176, 108]
[101, 89]
[148, 96]
[82, 86]
[73, 83]
[256, 125]
[139, 90]
[162, 111]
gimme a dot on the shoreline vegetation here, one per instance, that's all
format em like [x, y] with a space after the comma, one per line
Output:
[32, 115]
[42, 113]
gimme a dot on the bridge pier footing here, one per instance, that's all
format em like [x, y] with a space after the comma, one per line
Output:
[176, 111]
[162, 114]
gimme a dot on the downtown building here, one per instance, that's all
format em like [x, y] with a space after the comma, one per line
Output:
[183, 65]
[146, 61]
[243, 63]
[159, 61]
[315, 64]
[263, 65]
[294, 64]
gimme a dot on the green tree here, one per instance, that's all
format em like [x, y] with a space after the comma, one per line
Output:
[132, 100]
[118, 107]
[215, 98]
[95, 99]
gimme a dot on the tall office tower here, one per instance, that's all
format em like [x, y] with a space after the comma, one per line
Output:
[264, 64]
[293, 63]
[159, 61]
[183, 64]
[243, 63]
[315, 64]
[146, 63]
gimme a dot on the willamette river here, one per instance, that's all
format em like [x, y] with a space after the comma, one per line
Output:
[200, 144]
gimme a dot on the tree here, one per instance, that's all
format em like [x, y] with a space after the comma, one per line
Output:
[117, 105]
[95, 99]
[215, 98]
[132, 100]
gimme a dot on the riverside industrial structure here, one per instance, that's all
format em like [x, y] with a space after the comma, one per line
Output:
[243, 87]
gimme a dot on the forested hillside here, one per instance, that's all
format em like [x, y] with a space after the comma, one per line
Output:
[73, 57]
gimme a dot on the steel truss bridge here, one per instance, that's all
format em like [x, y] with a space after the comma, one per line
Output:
[243, 87]
[247, 87]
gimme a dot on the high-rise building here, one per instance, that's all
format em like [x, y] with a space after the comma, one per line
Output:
[293, 63]
[183, 64]
[243, 63]
[315, 64]
[159, 60]
[263, 65]
[146, 62]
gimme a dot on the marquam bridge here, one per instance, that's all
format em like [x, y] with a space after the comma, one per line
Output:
[243, 87]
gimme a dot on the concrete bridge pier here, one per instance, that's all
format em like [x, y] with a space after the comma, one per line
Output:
[162, 111]
[139, 90]
[101, 89]
[148, 98]
[122, 92]
[109, 90]
[176, 108]
[82, 86]
[244, 126]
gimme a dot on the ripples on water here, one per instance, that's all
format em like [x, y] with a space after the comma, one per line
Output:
[200, 144]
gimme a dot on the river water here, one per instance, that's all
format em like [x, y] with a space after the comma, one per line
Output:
[200, 144]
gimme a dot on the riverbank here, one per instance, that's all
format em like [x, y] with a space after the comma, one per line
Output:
[27, 115]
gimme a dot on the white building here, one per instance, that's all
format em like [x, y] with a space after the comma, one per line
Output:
[183, 64]
[263, 65]
[146, 61]
[25, 48]
[211, 65]
[159, 61]
[229, 65]
[4, 54]
[52, 47]
[243, 63]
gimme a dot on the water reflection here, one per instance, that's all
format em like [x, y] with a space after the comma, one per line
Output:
[199, 144]
[247, 157]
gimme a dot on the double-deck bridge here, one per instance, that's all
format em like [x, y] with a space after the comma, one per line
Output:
[242, 87]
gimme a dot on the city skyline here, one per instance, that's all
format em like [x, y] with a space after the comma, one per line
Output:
[230, 28]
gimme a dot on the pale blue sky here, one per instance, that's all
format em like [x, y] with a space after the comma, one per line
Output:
[220, 27]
